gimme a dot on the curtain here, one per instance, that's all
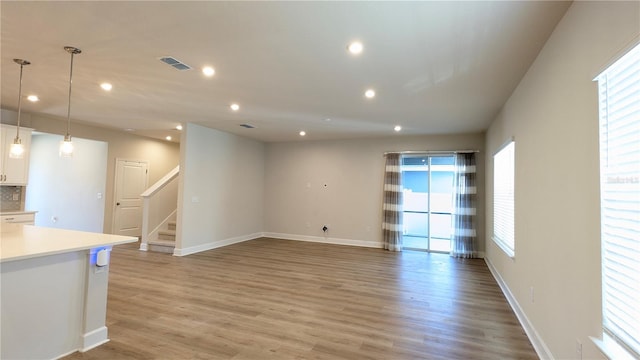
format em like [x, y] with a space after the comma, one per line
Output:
[392, 204]
[464, 242]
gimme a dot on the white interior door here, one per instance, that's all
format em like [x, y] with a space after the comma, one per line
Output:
[131, 181]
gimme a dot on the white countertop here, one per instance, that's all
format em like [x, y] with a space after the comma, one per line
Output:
[18, 242]
[16, 212]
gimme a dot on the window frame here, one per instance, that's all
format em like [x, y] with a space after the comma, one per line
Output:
[614, 341]
[508, 244]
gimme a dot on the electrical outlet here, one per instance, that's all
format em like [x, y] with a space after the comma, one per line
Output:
[16, 197]
[578, 349]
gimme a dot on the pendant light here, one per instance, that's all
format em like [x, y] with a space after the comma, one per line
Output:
[66, 146]
[17, 149]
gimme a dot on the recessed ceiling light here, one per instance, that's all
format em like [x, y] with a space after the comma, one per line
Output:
[106, 86]
[208, 71]
[234, 107]
[355, 47]
[397, 128]
[33, 98]
[303, 133]
[179, 127]
[168, 138]
[370, 93]
[327, 119]
[129, 129]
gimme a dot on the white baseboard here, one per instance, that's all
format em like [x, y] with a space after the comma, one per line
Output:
[538, 344]
[317, 239]
[215, 244]
[94, 338]
[325, 240]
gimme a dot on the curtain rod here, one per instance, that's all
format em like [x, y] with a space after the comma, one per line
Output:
[428, 152]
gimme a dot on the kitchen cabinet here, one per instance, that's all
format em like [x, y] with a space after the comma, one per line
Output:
[26, 218]
[14, 171]
[54, 290]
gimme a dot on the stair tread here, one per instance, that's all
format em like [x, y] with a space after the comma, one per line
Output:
[167, 232]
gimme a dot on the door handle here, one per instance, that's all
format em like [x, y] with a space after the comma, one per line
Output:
[117, 204]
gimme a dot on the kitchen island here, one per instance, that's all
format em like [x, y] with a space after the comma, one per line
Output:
[53, 295]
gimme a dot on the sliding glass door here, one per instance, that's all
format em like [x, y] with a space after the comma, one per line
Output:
[428, 201]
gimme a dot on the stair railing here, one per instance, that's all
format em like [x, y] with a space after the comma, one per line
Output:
[160, 203]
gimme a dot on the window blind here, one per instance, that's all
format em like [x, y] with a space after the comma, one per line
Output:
[619, 98]
[503, 198]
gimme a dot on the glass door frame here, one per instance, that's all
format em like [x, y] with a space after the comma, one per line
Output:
[429, 212]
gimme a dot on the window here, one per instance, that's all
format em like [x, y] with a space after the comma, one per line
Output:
[619, 97]
[503, 199]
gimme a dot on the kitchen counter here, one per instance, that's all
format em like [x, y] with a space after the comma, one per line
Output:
[16, 212]
[19, 242]
[53, 297]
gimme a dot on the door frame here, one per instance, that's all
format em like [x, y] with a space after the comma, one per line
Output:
[115, 188]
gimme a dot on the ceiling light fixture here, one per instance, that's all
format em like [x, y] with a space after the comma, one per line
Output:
[17, 149]
[303, 133]
[33, 98]
[370, 94]
[66, 146]
[397, 128]
[208, 71]
[355, 48]
[179, 127]
[168, 138]
[234, 107]
[106, 86]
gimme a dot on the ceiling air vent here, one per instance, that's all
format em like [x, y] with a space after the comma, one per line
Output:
[175, 63]
[248, 126]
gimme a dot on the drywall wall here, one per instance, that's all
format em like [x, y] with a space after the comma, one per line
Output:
[68, 193]
[298, 204]
[553, 115]
[220, 194]
[162, 155]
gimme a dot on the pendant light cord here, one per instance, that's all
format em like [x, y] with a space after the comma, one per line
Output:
[22, 63]
[19, 105]
[69, 104]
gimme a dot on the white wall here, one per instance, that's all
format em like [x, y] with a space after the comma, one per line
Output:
[220, 196]
[553, 115]
[67, 188]
[297, 203]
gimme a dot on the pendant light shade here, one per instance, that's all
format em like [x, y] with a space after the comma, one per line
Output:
[17, 149]
[66, 146]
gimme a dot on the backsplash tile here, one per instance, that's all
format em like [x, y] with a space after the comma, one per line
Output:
[6, 198]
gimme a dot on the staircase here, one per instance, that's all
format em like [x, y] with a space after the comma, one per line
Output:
[166, 241]
[159, 214]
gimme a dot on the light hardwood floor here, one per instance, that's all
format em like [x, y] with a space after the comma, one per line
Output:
[279, 299]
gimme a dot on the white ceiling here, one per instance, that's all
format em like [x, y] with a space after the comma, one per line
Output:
[437, 67]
